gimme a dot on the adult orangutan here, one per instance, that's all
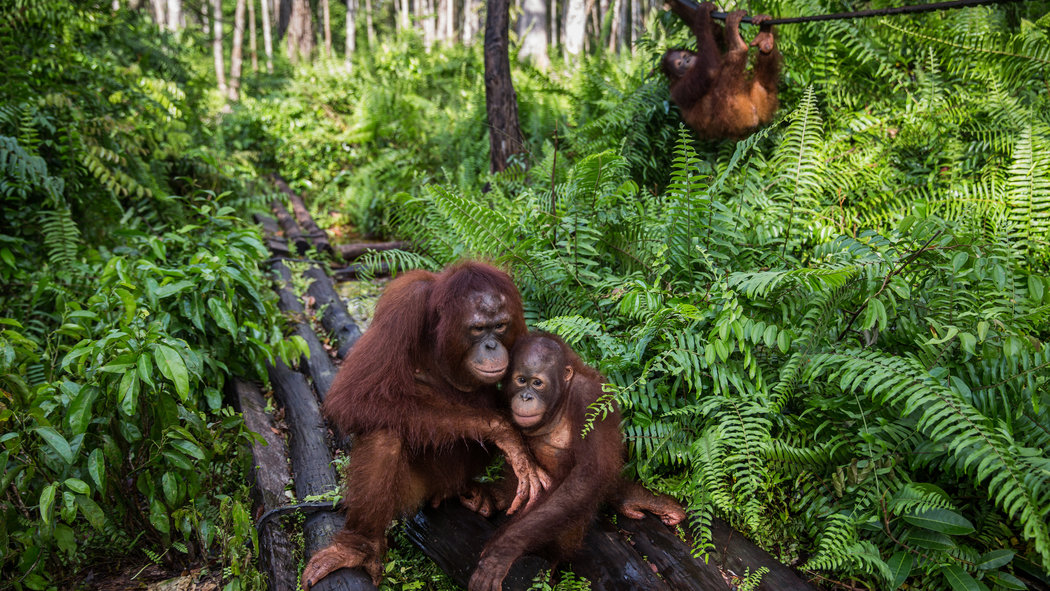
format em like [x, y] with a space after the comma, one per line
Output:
[716, 96]
[549, 390]
[419, 394]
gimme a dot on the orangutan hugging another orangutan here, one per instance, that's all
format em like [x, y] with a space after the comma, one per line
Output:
[549, 390]
[419, 393]
[714, 92]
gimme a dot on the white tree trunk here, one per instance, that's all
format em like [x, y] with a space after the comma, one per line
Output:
[404, 18]
[174, 15]
[253, 48]
[637, 20]
[368, 24]
[237, 54]
[552, 37]
[425, 15]
[351, 31]
[216, 45]
[470, 21]
[265, 9]
[575, 28]
[532, 32]
[326, 16]
[159, 8]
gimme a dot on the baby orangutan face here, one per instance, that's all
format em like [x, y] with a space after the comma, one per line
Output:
[539, 376]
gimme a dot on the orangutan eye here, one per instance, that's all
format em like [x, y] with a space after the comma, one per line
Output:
[519, 380]
[537, 383]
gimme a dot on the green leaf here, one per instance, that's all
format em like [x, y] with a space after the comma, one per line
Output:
[941, 520]
[92, 512]
[222, 315]
[170, 486]
[79, 415]
[173, 367]
[128, 393]
[900, 565]
[995, 559]
[144, 363]
[188, 447]
[158, 516]
[130, 303]
[58, 443]
[930, 540]
[47, 500]
[97, 467]
[1035, 288]
[959, 579]
[1007, 581]
[78, 486]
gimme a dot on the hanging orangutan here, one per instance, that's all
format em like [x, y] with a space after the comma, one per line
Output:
[713, 90]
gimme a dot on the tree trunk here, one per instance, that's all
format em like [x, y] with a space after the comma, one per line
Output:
[351, 30]
[174, 15]
[505, 137]
[575, 28]
[326, 16]
[425, 16]
[637, 16]
[300, 32]
[369, 25]
[237, 54]
[253, 48]
[404, 17]
[532, 32]
[614, 29]
[553, 12]
[216, 45]
[441, 9]
[266, 7]
[470, 21]
[159, 10]
[282, 16]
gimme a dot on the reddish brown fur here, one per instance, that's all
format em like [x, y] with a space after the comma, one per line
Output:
[418, 436]
[716, 96]
[585, 472]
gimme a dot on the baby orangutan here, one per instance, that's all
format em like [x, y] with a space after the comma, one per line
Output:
[549, 389]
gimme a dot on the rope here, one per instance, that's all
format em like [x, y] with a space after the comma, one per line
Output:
[862, 13]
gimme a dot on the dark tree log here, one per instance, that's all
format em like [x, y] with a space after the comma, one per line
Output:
[270, 473]
[350, 272]
[292, 232]
[316, 235]
[321, 369]
[334, 316]
[671, 556]
[501, 103]
[311, 464]
[609, 562]
[351, 252]
[738, 554]
[271, 233]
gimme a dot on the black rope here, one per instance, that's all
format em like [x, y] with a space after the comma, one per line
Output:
[863, 13]
[304, 508]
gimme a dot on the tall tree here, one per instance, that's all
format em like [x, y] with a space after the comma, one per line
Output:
[351, 30]
[216, 45]
[236, 55]
[159, 9]
[575, 27]
[470, 21]
[404, 17]
[532, 32]
[501, 103]
[300, 36]
[253, 48]
[369, 25]
[326, 17]
[174, 15]
[266, 10]
[425, 16]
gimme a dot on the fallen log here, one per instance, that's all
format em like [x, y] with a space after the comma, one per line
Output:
[351, 252]
[738, 554]
[270, 475]
[671, 556]
[271, 231]
[317, 236]
[292, 232]
[355, 271]
[312, 466]
[320, 366]
[334, 316]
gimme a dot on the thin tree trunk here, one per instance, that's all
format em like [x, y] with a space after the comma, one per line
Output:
[575, 27]
[553, 12]
[614, 37]
[253, 48]
[175, 15]
[505, 137]
[282, 16]
[532, 32]
[265, 8]
[450, 21]
[159, 10]
[351, 31]
[237, 54]
[300, 32]
[470, 20]
[216, 45]
[441, 33]
[368, 25]
[326, 15]
[637, 24]
[404, 17]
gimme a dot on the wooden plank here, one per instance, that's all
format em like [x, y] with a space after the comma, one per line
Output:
[270, 475]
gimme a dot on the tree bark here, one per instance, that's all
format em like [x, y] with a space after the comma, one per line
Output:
[174, 15]
[371, 30]
[501, 103]
[237, 54]
[575, 28]
[425, 16]
[253, 48]
[282, 16]
[532, 33]
[637, 14]
[351, 31]
[300, 32]
[159, 10]
[216, 45]
[404, 17]
[553, 12]
[326, 15]
[266, 9]
[470, 20]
